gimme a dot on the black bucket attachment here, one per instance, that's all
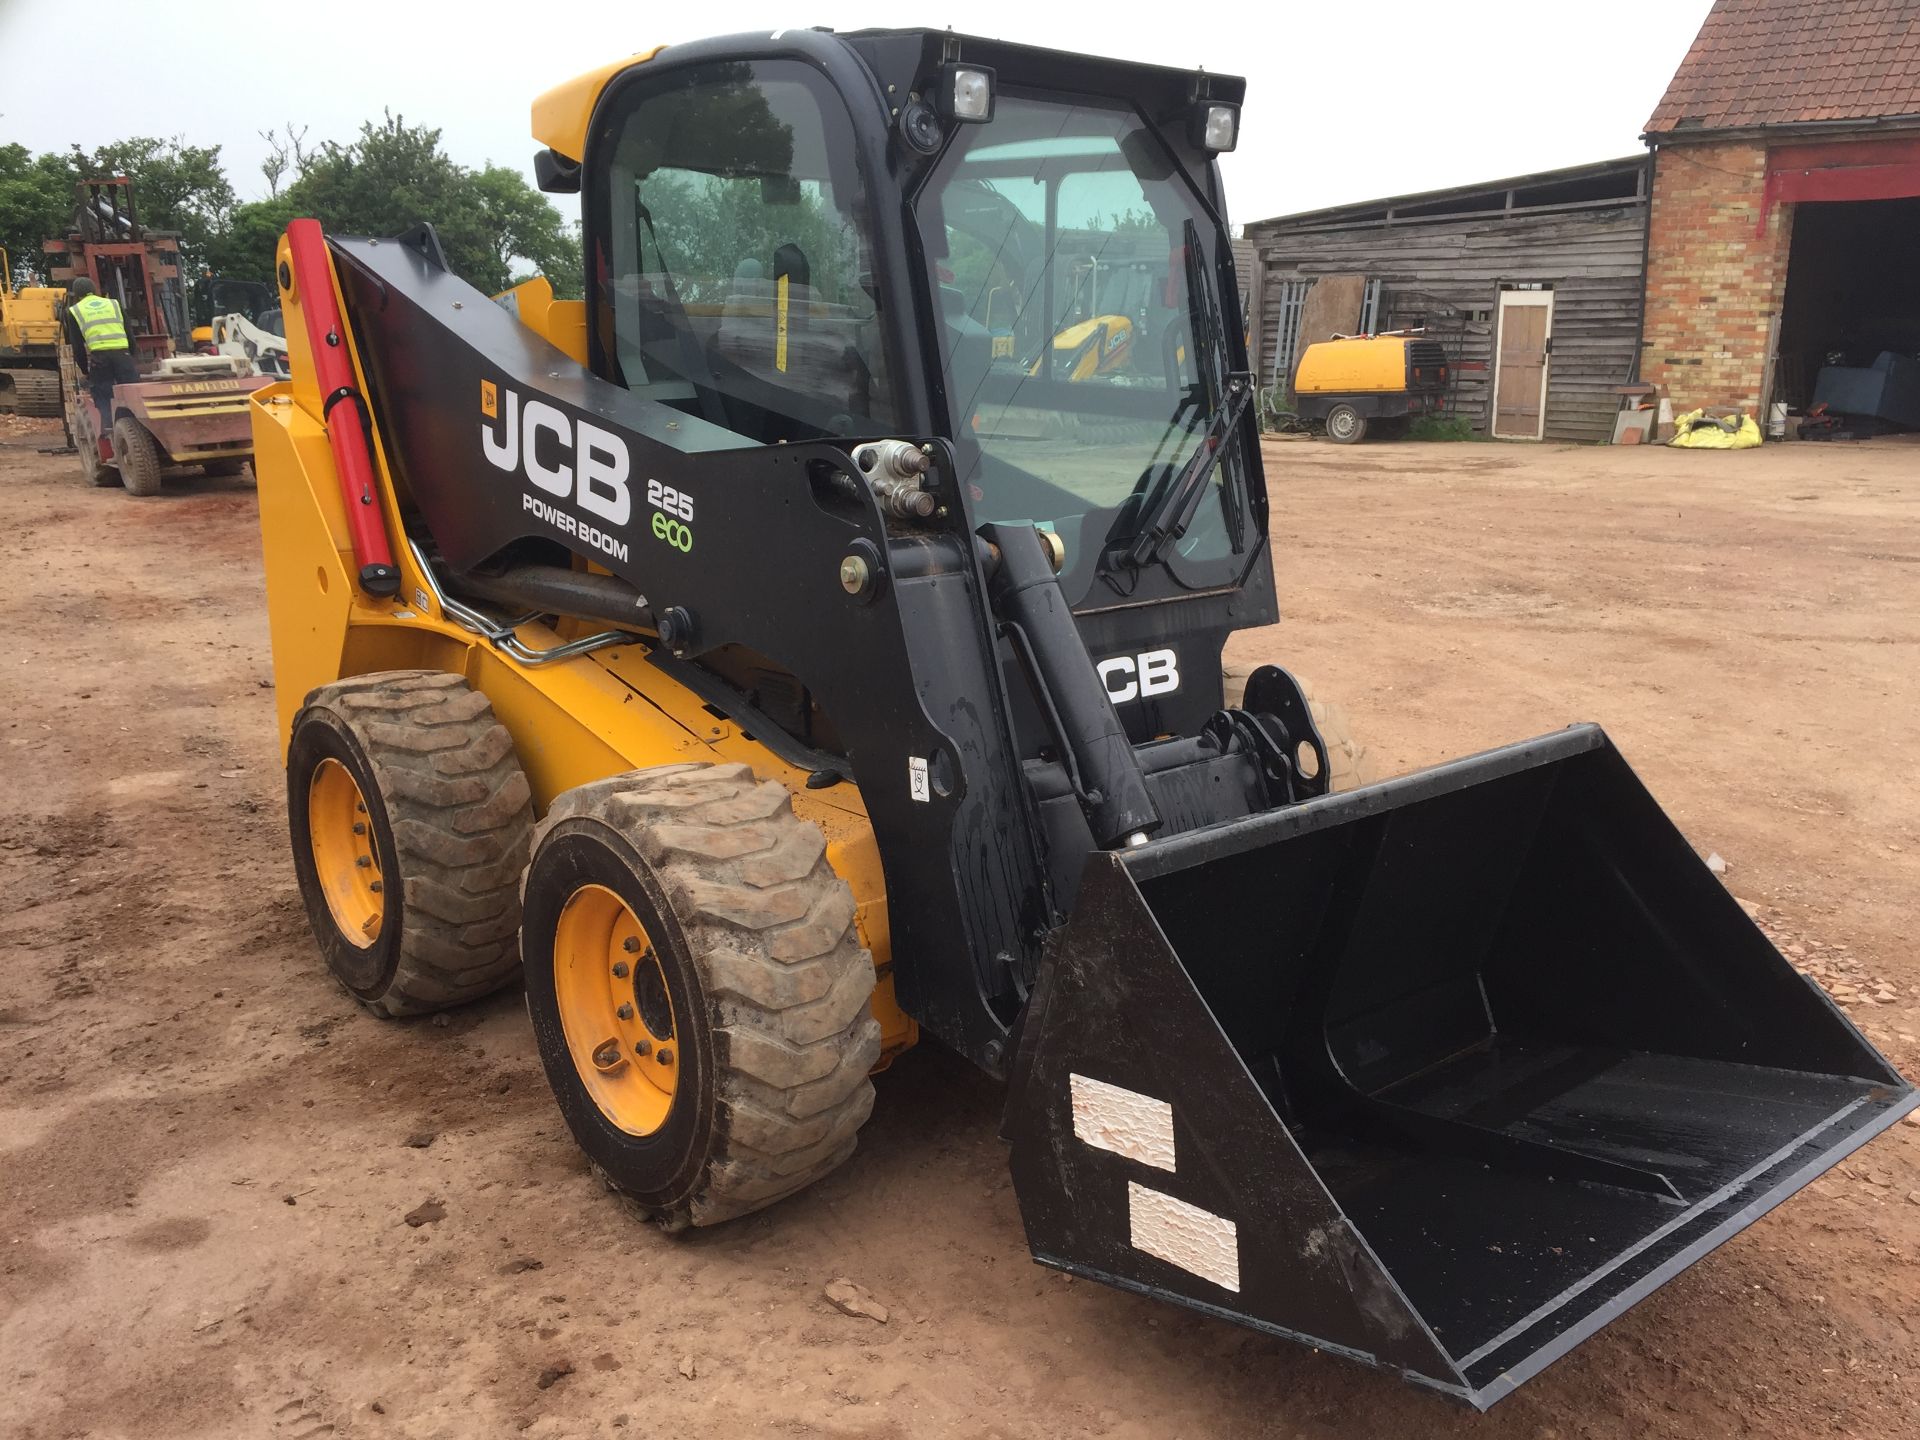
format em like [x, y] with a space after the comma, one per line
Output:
[1442, 1074]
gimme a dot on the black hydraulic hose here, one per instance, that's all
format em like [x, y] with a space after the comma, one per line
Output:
[552, 590]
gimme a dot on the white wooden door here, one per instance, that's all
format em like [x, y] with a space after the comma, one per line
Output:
[1522, 356]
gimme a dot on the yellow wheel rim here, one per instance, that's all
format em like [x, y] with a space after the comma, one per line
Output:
[615, 1010]
[345, 857]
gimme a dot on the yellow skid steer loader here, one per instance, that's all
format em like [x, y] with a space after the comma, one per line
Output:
[693, 652]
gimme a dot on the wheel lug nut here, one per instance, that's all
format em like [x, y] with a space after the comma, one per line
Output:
[360, 806]
[359, 827]
[375, 887]
[625, 1012]
[631, 944]
[365, 862]
[620, 970]
[641, 1047]
[665, 1057]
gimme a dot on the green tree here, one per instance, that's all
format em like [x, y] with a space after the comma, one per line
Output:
[244, 247]
[36, 204]
[524, 227]
[176, 186]
[396, 175]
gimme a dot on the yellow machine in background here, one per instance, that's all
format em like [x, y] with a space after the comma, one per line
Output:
[1100, 346]
[1352, 382]
[29, 345]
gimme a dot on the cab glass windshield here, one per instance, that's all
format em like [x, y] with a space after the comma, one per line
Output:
[1075, 274]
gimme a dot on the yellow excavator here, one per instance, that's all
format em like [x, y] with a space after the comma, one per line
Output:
[29, 345]
[690, 654]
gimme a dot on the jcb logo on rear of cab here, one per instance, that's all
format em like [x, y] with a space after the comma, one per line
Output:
[1137, 677]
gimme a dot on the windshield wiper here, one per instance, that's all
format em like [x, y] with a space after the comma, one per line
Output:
[1172, 514]
[1169, 516]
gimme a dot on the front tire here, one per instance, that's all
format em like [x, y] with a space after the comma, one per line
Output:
[687, 908]
[137, 457]
[411, 822]
[1346, 425]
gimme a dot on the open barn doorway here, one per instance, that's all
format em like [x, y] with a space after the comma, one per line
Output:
[1853, 296]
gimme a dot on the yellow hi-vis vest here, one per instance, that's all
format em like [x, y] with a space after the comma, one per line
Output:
[101, 325]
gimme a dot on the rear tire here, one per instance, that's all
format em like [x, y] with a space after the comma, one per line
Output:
[420, 909]
[1346, 756]
[735, 924]
[1346, 425]
[137, 457]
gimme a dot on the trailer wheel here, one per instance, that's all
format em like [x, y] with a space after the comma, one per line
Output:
[137, 457]
[411, 821]
[1346, 425]
[1346, 756]
[701, 1002]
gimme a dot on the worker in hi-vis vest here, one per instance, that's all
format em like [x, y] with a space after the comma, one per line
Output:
[97, 331]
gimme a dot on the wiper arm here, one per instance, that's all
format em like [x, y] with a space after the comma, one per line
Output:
[1171, 515]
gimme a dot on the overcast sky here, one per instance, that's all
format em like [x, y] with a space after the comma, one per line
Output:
[1346, 101]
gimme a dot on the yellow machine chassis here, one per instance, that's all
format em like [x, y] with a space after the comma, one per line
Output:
[573, 721]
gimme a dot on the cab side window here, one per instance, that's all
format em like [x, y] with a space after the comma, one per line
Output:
[735, 281]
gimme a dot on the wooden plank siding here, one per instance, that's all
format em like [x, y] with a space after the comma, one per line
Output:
[1591, 255]
[1246, 265]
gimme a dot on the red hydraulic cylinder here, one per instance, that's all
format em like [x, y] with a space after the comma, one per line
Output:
[352, 459]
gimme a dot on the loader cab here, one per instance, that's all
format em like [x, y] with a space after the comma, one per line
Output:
[787, 241]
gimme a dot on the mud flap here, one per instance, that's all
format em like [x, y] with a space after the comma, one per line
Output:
[1442, 1074]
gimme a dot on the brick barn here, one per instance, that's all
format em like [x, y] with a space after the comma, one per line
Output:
[1784, 231]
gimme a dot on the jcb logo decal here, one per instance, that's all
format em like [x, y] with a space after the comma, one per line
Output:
[566, 458]
[1136, 677]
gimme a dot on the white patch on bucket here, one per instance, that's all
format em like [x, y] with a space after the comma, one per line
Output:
[1123, 1121]
[1196, 1240]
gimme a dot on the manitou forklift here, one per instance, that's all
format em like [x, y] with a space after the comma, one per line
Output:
[710, 655]
[185, 409]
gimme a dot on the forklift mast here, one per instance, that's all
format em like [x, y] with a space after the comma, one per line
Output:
[136, 266]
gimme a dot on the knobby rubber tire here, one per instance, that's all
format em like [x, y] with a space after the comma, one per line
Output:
[451, 812]
[771, 988]
[137, 457]
[1346, 756]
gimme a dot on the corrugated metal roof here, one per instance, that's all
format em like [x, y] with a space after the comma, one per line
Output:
[1438, 201]
[1757, 63]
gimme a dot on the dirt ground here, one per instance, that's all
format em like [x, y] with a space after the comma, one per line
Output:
[207, 1154]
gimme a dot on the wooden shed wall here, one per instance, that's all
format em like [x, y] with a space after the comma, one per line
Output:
[1592, 257]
